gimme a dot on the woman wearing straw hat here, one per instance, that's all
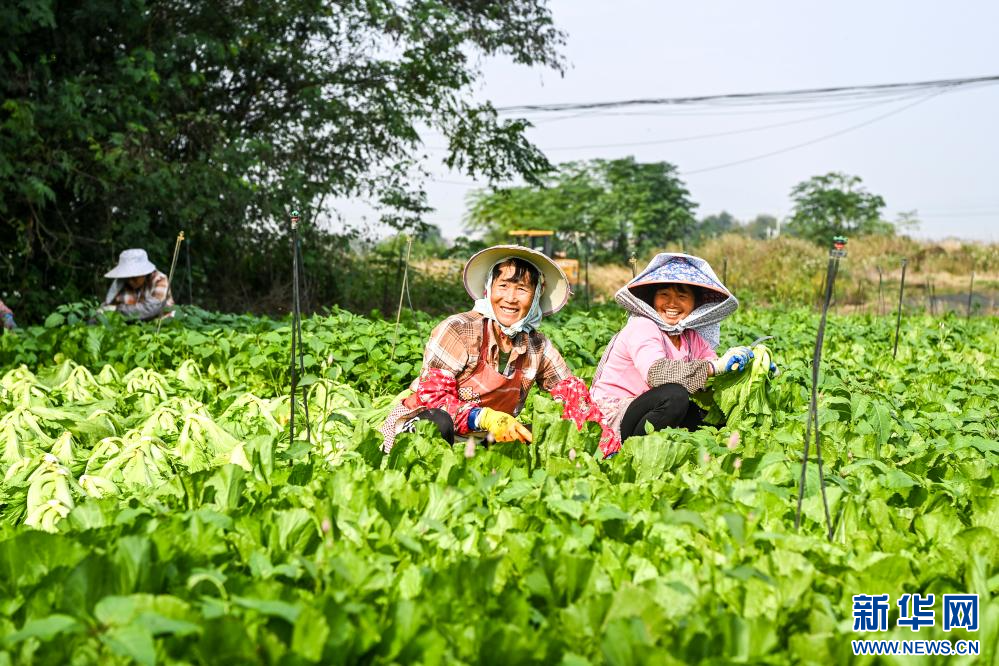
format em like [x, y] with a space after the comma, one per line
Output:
[479, 365]
[666, 350]
[139, 291]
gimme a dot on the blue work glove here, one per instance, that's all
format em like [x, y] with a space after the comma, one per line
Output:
[8, 321]
[736, 358]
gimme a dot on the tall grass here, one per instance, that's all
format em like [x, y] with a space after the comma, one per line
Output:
[790, 271]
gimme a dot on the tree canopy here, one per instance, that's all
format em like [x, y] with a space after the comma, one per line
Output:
[122, 123]
[835, 204]
[622, 206]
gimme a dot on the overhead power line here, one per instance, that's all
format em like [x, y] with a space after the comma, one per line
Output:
[808, 95]
[853, 108]
[824, 137]
[714, 135]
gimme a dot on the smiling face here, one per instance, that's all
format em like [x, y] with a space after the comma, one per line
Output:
[674, 302]
[511, 294]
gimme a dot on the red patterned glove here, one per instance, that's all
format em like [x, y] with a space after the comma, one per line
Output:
[578, 406]
[610, 441]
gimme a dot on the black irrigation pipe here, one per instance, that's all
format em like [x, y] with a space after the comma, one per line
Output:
[898, 319]
[837, 252]
[297, 348]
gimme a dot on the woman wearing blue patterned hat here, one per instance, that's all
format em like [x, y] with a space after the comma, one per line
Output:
[666, 351]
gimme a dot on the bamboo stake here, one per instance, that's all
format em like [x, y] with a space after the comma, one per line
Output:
[173, 265]
[402, 293]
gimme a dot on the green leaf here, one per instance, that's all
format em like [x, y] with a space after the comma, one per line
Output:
[133, 642]
[44, 629]
[270, 607]
[53, 320]
[310, 633]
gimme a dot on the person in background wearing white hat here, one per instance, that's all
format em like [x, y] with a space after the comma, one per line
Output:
[479, 365]
[139, 291]
[666, 351]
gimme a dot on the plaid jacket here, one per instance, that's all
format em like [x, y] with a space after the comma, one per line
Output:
[455, 343]
[4, 310]
[147, 302]
[451, 355]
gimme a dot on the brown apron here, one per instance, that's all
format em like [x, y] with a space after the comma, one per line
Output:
[491, 388]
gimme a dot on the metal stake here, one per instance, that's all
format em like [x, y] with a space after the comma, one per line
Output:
[971, 291]
[837, 252]
[297, 350]
[190, 288]
[898, 319]
[881, 293]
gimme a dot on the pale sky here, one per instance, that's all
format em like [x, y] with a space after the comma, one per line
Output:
[939, 157]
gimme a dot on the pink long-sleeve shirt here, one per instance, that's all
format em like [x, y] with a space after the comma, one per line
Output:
[640, 344]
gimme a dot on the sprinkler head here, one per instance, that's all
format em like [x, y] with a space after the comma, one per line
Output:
[839, 247]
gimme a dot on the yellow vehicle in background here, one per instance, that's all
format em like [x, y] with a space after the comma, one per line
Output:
[542, 239]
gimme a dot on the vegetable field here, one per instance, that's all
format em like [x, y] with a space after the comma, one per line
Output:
[153, 510]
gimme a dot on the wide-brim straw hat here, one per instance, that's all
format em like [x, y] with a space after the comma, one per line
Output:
[131, 263]
[556, 286]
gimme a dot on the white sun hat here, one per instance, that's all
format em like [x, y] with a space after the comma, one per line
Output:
[131, 263]
[556, 286]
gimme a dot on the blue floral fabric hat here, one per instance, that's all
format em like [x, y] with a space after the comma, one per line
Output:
[714, 302]
[683, 269]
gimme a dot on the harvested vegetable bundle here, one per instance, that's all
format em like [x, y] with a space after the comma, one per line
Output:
[741, 399]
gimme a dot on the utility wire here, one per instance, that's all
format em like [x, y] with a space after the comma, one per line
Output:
[712, 135]
[824, 137]
[772, 153]
[994, 213]
[773, 97]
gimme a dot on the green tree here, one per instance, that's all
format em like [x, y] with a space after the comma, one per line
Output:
[714, 225]
[622, 206]
[835, 204]
[428, 243]
[122, 123]
[760, 227]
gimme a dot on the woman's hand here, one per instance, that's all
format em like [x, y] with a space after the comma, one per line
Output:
[504, 427]
[736, 358]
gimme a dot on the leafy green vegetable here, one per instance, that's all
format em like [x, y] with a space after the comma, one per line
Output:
[187, 528]
[741, 399]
